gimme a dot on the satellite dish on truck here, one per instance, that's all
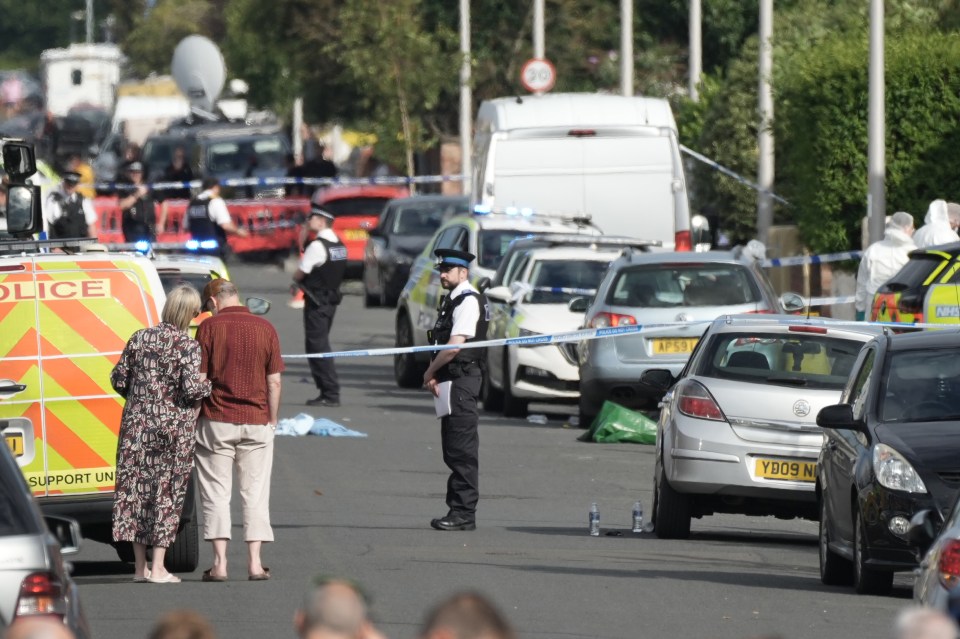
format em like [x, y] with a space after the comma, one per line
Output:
[199, 71]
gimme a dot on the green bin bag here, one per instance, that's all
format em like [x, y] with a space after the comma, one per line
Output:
[614, 423]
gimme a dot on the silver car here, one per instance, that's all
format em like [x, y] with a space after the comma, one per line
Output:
[33, 577]
[687, 290]
[939, 573]
[737, 431]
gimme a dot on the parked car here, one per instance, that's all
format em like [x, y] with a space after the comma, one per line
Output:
[404, 228]
[891, 450]
[487, 235]
[737, 431]
[685, 289]
[939, 573]
[925, 290]
[356, 211]
[230, 151]
[537, 301]
[34, 580]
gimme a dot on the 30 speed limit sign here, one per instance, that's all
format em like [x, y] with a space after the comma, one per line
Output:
[538, 75]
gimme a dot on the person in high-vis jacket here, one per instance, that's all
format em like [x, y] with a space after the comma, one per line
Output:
[67, 214]
[321, 270]
[207, 217]
[456, 374]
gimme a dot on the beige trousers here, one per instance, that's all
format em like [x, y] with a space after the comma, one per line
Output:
[249, 447]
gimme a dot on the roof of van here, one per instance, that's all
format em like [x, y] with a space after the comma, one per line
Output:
[575, 109]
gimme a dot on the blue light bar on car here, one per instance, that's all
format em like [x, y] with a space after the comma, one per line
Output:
[196, 245]
[142, 246]
[482, 209]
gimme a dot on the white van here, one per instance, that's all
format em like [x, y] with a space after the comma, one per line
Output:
[614, 158]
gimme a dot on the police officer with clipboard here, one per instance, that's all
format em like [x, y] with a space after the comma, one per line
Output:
[454, 378]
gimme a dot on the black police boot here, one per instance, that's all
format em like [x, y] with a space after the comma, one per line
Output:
[454, 522]
[320, 400]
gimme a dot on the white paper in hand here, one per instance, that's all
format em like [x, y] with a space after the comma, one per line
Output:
[441, 402]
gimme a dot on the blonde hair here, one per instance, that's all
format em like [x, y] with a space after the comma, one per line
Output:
[183, 304]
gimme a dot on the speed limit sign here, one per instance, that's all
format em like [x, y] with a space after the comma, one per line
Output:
[538, 75]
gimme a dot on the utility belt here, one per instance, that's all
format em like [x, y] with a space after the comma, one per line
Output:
[324, 297]
[461, 368]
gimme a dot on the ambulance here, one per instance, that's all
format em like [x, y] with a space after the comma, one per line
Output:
[925, 290]
[65, 317]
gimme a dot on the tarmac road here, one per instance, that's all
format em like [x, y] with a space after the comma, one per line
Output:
[361, 508]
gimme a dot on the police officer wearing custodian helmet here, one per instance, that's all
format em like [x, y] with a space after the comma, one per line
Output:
[320, 273]
[463, 318]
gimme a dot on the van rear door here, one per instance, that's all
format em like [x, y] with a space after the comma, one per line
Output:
[85, 311]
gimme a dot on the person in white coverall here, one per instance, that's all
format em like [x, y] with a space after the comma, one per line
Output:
[883, 259]
[936, 227]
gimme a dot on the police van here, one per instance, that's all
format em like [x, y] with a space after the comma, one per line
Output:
[65, 317]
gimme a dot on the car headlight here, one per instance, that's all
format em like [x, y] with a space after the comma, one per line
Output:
[893, 471]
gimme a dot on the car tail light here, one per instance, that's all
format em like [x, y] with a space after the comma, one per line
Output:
[949, 564]
[819, 330]
[683, 241]
[581, 133]
[761, 311]
[911, 302]
[693, 400]
[608, 320]
[41, 594]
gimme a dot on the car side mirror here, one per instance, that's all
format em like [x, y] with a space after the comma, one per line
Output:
[19, 161]
[23, 214]
[67, 532]
[658, 378]
[922, 530]
[838, 416]
[792, 302]
[257, 305]
[499, 294]
[483, 284]
[578, 305]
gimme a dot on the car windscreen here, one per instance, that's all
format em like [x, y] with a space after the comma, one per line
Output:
[248, 155]
[922, 386]
[365, 206]
[493, 244]
[172, 279]
[17, 516]
[801, 359]
[423, 219]
[914, 273]
[683, 285]
[559, 281]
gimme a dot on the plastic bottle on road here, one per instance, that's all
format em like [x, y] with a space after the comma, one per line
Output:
[594, 520]
[638, 517]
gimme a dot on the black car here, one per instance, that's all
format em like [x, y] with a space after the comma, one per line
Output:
[403, 230]
[891, 449]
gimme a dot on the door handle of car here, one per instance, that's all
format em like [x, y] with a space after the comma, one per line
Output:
[12, 389]
[666, 400]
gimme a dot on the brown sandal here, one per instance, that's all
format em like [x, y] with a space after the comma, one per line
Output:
[209, 577]
[263, 576]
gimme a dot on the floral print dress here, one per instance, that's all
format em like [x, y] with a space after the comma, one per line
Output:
[159, 375]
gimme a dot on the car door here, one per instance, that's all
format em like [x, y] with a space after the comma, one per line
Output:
[842, 448]
[500, 318]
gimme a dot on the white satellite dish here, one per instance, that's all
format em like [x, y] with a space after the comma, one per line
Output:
[199, 71]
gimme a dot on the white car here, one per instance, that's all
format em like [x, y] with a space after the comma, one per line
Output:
[537, 302]
[486, 235]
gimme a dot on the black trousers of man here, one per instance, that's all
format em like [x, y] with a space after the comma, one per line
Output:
[317, 320]
[461, 446]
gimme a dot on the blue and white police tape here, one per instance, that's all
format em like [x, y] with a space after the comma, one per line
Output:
[386, 180]
[731, 173]
[800, 260]
[532, 340]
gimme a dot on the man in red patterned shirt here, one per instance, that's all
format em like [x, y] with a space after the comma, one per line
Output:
[240, 354]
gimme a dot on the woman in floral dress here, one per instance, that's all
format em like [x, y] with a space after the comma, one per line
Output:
[159, 375]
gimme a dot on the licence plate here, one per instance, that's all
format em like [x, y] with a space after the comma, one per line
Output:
[354, 234]
[786, 469]
[15, 444]
[673, 345]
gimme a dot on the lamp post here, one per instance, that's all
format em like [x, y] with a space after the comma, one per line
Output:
[466, 100]
[765, 166]
[696, 50]
[876, 127]
[626, 47]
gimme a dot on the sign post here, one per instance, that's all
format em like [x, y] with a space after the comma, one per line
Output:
[538, 75]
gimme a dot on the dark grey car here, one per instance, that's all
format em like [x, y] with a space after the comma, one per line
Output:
[34, 579]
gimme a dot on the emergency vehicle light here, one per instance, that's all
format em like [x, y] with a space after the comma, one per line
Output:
[196, 245]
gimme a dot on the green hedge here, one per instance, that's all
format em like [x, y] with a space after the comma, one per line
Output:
[821, 133]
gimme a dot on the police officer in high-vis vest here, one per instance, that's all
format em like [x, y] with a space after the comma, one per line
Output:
[67, 213]
[207, 217]
[320, 273]
[463, 317]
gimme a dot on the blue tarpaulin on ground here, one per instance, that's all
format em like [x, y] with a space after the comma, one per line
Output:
[304, 424]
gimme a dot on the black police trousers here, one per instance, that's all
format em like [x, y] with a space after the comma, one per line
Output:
[317, 319]
[461, 446]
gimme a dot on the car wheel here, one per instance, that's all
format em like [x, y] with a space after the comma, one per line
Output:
[124, 551]
[492, 397]
[586, 417]
[671, 510]
[184, 553]
[866, 580]
[834, 569]
[407, 371]
[512, 406]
